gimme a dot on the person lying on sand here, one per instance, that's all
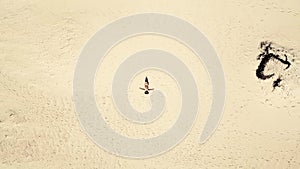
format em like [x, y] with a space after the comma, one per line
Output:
[146, 86]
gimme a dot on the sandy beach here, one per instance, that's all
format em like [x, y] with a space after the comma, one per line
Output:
[41, 41]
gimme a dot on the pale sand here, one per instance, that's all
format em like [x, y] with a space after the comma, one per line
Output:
[40, 42]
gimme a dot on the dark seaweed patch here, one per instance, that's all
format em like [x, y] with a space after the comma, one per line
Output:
[268, 52]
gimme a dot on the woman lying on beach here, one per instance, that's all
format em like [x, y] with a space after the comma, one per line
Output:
[146, 86]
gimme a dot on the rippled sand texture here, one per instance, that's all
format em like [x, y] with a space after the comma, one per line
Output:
[40, 42]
